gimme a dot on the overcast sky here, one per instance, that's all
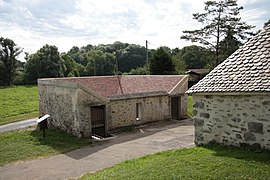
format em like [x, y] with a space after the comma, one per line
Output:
[66, 23]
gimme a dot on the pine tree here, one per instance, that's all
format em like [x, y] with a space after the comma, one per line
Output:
[220, 19]
[161, 63]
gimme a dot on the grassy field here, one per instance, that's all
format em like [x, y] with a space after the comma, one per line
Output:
[18, 103]
[21, 102]
[195, 163]
[26, 144]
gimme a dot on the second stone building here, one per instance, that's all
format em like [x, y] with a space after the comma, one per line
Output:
[90, 106]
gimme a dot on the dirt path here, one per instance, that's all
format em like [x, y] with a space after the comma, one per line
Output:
[18, 125]
[142, 141]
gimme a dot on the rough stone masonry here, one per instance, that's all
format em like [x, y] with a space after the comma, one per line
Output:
[237, 120]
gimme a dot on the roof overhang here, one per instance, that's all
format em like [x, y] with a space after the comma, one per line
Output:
[67, 84]
[230, 94]
[138, 95]
[178, 85]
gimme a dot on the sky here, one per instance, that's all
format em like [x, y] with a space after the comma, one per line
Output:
[65, 23]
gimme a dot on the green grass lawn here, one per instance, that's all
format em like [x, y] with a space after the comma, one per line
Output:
[18, 103]
[190, 106]
[26, 144]
[196, 163]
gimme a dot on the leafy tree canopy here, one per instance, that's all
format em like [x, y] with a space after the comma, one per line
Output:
[9, 52]
[45, 63]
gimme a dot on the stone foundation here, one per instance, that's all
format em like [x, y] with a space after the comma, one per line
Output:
[237, 120]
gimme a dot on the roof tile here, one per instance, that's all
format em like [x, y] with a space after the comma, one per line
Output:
[108, 86]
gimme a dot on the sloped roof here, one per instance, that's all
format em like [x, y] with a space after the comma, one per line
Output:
[108, 86]
[246, 70]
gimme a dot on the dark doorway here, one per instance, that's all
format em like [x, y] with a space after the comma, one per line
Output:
[98, 121]
[176, 108]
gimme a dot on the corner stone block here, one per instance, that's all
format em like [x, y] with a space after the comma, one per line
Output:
[205, 115]
[266, 103]
[199, 139]
[195, 112]
[236, 119]
[255, 127]
[249, 137]
[238, 136]
[198, 122]
[199, 105]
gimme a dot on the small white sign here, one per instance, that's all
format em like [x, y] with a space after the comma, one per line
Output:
[43, 118]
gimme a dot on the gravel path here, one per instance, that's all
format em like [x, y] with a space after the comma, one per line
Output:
[18, 125]
[148, 139]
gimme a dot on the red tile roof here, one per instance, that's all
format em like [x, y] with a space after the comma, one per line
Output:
[108, 86]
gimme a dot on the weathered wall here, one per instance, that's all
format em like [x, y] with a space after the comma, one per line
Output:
[180, 90]
[69, 107]
[232, 120]
[85, 101]
[61, 104]
[123, 112]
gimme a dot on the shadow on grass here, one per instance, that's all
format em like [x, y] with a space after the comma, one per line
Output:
[58, 140]
[243, 153]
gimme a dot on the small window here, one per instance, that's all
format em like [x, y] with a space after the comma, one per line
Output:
[138, 111]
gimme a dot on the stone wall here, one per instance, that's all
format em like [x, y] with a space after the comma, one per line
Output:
[61, 104]
[237, 120]
[69, 106]
[181, 88]
[123, 112]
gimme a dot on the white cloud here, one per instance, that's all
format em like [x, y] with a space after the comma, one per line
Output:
[32, 24]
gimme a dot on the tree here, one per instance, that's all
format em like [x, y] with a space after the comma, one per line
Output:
[229, 44]
[131, 57]
[195, 57]
[8, 62]
[100, 63]
[71, 69]
[161, 63]
[79, 55]
[45, 63]
[139, 71]
[180, 64]
[219, 19]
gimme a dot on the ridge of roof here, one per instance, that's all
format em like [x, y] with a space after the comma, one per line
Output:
[246, 70]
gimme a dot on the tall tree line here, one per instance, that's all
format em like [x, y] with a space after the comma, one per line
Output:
[222, 32]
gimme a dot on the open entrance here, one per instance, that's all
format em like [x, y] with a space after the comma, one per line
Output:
[98, 122]
[176, 108]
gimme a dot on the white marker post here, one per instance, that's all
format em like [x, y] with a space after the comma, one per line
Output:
[42, 122]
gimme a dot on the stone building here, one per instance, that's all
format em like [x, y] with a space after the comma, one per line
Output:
[232, 103]
[195, 75]
[95, 105]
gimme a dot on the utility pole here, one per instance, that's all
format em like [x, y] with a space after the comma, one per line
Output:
[146, 52]
[95, 66]
[116, 63]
